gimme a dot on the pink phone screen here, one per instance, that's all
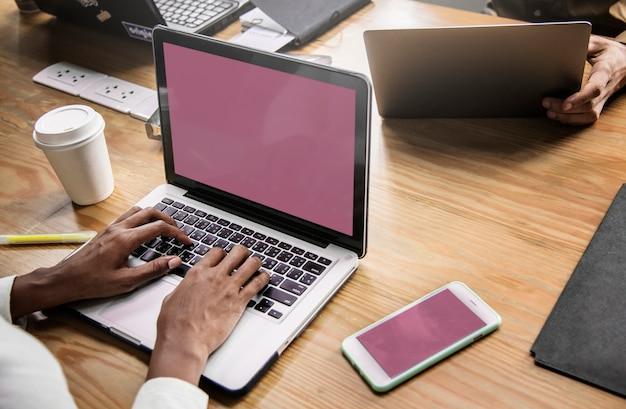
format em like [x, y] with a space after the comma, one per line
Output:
[419, 332]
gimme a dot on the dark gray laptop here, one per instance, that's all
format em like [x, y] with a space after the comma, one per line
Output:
[475, 71]
[262, 150]
[137, 18]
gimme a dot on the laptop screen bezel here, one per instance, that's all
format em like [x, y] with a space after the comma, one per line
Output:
[289, 224]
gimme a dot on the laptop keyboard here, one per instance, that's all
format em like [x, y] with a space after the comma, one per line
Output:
[192, 13]
[293, 270]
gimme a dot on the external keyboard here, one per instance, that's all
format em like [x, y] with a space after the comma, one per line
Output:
[192, 13]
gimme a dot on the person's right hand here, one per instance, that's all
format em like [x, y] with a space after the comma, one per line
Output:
[198, 316]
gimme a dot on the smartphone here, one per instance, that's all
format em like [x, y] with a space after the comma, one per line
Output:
[406, 342]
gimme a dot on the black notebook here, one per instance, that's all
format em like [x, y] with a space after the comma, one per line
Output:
[307, 19]
[585, 334]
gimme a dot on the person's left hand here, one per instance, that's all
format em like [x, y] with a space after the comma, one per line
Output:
[202, 311]
[608, 75]
[100, 268]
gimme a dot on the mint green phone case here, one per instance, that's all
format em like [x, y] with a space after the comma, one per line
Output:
[430, 361]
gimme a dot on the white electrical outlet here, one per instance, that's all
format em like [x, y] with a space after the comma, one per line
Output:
[123, 96]
[117, 94]
[68, 77]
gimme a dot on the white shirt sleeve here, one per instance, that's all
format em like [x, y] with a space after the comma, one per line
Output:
[6, 285]
[171, 393]
[30, 376]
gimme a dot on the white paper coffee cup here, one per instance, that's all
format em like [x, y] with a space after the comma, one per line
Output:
[72, 138]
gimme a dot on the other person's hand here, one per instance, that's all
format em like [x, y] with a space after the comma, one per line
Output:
[608, 75]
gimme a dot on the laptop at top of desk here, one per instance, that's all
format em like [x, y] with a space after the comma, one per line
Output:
[475, 71]
[137, 18]
[277, 160]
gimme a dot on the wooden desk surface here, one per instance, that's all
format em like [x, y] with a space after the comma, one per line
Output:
[505, 205]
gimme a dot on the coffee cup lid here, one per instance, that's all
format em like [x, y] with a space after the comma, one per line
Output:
[67, 125]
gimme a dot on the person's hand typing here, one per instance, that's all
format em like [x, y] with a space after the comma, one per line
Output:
[100, 268]
[198, 316]
[607, 76]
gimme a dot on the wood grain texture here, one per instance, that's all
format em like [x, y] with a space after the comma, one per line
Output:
[505, 205]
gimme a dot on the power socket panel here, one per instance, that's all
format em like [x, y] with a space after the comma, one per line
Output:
[68, 77]
[117, 94]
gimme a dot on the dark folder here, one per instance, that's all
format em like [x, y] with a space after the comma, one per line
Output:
[306, 19]
[585, 334]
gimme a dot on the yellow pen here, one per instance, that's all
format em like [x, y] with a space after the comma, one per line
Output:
[47, 238]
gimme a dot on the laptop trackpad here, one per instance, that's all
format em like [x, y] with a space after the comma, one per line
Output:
[136, 315]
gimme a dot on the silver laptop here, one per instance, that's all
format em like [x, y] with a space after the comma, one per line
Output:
[137, 18]
[262, 150]
[475, 71]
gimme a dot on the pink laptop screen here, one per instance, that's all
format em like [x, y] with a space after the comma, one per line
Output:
[275, 138]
